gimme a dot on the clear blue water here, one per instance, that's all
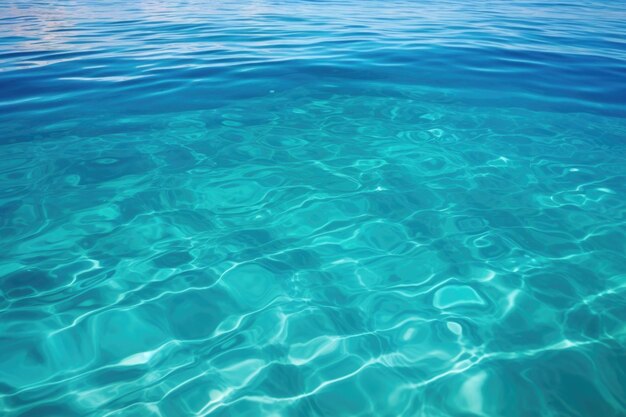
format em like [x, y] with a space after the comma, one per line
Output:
[294, 208]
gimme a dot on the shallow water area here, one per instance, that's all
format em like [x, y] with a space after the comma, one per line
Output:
[312, 208]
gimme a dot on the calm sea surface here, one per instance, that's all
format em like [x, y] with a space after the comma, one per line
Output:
[312, 208]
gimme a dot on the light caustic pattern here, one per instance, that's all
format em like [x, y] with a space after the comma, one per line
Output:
[350, 222]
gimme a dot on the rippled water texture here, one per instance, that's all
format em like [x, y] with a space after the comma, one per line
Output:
[338, 208]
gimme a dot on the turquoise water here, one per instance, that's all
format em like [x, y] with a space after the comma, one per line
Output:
[292, 208]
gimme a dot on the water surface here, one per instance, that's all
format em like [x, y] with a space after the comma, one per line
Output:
[294, 208]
